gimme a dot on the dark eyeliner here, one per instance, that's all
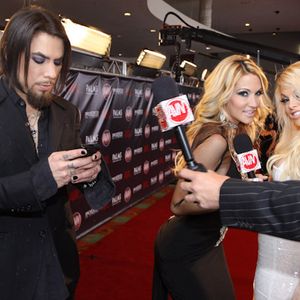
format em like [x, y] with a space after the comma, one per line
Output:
[38, 58]
[243, 93]
[58, 62]
[284, 100]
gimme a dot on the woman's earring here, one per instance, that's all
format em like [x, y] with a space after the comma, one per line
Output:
[222, 117]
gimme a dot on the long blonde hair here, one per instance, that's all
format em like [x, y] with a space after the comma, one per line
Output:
[218, 89]
[288, 146]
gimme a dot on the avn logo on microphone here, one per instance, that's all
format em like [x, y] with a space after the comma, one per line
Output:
[178, 110]
[249, 161]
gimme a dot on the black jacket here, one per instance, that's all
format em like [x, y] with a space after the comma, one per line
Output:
[31, 206]
[266, 207]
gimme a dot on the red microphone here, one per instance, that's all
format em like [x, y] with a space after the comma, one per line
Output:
[173, 111]
[247, 156]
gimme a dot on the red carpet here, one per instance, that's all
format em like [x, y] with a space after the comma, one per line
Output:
[241, 253]
[119, 267]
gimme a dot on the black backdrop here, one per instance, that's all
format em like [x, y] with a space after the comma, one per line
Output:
[117, 113]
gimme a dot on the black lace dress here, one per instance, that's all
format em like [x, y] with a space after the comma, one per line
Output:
[189, 256]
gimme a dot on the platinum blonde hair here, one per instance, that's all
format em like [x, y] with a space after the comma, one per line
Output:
[288, 146]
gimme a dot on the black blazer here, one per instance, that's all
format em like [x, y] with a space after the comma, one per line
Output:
[29, 198]
[266, 207]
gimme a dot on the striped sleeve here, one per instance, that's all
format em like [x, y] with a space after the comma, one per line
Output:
[266, 207]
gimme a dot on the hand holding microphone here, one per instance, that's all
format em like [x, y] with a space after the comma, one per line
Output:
[174, 111]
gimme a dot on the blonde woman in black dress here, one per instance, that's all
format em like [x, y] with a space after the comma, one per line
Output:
[189, 258]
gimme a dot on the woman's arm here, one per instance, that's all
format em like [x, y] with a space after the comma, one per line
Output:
[209, 153]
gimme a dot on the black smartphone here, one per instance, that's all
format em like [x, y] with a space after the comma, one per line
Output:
[91, 148]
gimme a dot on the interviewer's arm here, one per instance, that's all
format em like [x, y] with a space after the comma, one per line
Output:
[265, 207]
[268, 207]
[203, 187]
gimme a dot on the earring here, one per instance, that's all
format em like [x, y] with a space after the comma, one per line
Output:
[222, 117]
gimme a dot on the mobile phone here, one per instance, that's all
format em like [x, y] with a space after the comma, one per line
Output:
[91, 148]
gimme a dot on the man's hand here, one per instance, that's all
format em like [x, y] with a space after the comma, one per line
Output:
[203, 187]
[73, 166]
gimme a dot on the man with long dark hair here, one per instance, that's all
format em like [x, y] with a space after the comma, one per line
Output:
[40, 155]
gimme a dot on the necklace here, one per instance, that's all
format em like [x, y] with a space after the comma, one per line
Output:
[33, 125]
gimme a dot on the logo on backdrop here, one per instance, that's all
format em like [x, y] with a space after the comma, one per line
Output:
[154, 146]
[146, 167]
[91, 89]
[116, 157]
[147, 131]
[167, 157]
[138, 112]
[128, 154]
[138, 150]
[91, 139]
[117, 113]
[106, 138]
[106, 90]
[137, 188]
[161, 144]
[153, 180]
[137, 170]
[77, 220]
[127, 194]
[128, 113]
[138, 131]
[117, 135]
[117, 178]
[91, 114]
[161, 176]
[116, 199]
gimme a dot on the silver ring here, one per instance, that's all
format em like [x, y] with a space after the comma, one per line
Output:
[71, 165]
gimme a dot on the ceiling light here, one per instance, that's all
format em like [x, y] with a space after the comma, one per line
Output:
[247, 24]
[127, 14]
[188, 67]
[152, 30]
[150, 59]
[86, 38]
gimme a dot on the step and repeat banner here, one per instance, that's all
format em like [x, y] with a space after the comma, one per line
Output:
[117, 113]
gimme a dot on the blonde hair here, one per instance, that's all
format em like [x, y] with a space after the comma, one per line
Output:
[288, 146]
[218, 89]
